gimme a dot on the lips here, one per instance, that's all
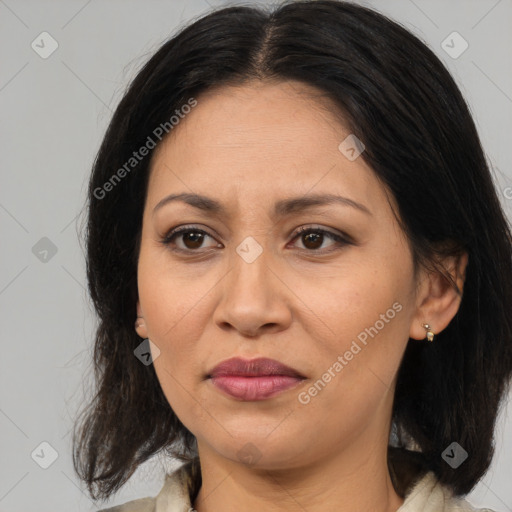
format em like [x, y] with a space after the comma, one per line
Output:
[259, 367]
[256, 379]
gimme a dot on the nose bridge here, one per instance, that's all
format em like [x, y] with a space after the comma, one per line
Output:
[250, 295]
[250, 268]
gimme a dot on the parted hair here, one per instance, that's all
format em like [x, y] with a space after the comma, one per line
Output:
[420, 140]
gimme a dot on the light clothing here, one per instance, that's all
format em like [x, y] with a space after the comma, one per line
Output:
[425, 495]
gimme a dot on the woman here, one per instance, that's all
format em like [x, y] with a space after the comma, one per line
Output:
[301, 270]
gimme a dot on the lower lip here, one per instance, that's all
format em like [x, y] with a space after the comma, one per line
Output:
[254, 388]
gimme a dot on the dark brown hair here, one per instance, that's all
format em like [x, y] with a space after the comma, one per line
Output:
[421, 142]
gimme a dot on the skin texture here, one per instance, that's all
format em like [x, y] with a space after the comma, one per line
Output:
[300, 302]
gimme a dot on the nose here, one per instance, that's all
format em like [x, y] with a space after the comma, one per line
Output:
[254, 300]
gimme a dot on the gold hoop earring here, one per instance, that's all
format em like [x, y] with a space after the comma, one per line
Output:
[430, 334]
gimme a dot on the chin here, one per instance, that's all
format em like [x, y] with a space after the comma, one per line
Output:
[260, 451]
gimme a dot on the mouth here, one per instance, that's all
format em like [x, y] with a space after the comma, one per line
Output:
[256, 379]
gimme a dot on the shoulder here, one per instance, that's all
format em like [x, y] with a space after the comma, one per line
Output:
[173, 497]
[140, 505]
[429, 495]
[461, 505]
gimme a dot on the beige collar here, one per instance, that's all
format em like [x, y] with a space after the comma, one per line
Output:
[426, 495]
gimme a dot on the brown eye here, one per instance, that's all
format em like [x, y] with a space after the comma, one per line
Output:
[313, 238]
[191, 239]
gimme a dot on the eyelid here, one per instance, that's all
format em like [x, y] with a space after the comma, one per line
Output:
[340, 238]
[184, 229]
[314, 227]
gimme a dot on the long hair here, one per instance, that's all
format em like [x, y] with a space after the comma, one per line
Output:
[421, 142]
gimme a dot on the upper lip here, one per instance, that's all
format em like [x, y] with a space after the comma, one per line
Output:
[259, 367]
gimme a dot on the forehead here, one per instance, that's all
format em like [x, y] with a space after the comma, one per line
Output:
[260, 140]
[279, 116]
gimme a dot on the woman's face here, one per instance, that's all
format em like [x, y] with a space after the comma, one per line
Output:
[242, 282]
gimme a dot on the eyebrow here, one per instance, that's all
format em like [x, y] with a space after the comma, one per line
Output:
[282, 207]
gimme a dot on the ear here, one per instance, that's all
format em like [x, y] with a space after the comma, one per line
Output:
[140, 323]
[437, 302]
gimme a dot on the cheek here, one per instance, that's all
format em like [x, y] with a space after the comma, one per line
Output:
[361, 318]
[351, 302]
[174, 324]
[177, 307]
[170, 299]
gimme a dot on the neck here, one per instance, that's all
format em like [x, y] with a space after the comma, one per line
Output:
[343, 482]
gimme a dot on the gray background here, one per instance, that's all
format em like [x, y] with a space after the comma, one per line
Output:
[54, 113]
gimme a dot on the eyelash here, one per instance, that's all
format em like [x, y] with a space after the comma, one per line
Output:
[341, 240]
